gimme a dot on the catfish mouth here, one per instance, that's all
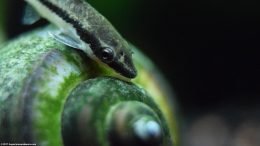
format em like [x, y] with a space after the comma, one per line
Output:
[126, 69]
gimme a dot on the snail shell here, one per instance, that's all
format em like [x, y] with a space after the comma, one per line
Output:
[118, 114]
[52, 95]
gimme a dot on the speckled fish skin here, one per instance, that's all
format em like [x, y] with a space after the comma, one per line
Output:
[92, 28]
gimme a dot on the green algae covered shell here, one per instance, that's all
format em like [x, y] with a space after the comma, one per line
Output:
[53, 95]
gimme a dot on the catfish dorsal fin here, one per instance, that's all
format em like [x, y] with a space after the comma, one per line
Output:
[30, 15]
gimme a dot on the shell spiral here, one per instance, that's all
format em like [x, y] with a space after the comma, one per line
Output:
[52, 95]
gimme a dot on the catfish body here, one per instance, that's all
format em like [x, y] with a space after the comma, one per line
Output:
[82, 27]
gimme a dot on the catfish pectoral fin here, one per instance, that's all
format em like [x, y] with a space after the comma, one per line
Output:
[30, 16]
[66, 39]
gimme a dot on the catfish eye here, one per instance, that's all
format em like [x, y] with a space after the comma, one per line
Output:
[107, 54]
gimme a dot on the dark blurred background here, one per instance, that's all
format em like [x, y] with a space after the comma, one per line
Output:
[207, 49]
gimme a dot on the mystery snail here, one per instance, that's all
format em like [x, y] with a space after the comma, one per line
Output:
[52, 95]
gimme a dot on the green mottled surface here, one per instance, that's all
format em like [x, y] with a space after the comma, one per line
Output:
[18, 58]
[53, 80]
[101, 96]
[38, 73]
